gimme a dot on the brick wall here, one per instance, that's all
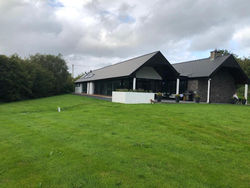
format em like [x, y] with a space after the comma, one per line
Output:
[222, 87]
[192, 85]
[221, 90]
[202, 89]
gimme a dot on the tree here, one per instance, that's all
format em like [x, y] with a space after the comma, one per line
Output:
[224, 52]
[79, 76]
[62, 81]
[245, 65]
[14, 82]
[37, 76]
[42, 80]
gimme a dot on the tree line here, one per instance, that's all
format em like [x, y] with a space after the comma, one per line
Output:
[33, 77]
[245, 64]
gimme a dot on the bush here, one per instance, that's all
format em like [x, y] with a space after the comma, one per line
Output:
[37, 76]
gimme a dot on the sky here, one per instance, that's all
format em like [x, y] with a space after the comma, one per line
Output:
[94, 33]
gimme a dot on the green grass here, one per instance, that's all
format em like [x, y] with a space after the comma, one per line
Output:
[94, 143]
[241, 91]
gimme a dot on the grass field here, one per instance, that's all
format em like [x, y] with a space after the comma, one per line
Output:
[94, 143]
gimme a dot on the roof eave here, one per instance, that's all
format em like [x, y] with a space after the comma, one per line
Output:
[239, 67]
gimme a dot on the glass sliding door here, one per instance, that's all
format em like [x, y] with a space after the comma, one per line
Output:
[105, 87]
[84, 87]
[149, 85]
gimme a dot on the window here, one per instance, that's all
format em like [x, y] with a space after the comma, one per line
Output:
[183, 86]
[105, 87]
[84, 87]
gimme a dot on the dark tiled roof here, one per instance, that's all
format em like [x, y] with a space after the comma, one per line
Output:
[199, 68]
[121, 69]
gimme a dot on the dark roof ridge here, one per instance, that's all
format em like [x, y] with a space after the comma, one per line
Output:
[190, 61]
[126, 60]
[199, 59]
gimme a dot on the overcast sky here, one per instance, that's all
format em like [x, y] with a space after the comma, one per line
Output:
[94, 33]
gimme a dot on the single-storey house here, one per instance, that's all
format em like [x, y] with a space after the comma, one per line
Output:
[150, 72]
[214, 78]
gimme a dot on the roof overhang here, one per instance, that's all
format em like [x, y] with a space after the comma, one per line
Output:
[129, 68]
[161, 65]
[234, 68]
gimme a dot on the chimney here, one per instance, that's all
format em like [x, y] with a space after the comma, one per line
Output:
[214, 54]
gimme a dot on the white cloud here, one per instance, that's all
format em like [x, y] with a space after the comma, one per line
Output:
[242, 36]
[242, 39]
[93, 33]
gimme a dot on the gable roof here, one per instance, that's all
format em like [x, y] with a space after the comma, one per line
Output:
[199, 68]
[122, 69]
[207, 68]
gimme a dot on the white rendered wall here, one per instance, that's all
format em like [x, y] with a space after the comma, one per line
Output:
[132, 97]
[78, 89]
[177, 86]
[134, 83]
[87, 87]
[246, 92]
[91, 88]
[208, 90]
[148, 73]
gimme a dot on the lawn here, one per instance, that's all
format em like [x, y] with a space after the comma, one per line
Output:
[94, 143]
